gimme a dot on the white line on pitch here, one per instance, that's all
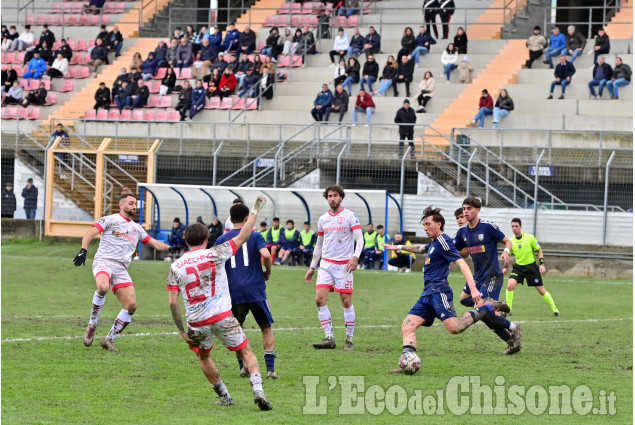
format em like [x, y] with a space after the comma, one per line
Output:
[52, 338]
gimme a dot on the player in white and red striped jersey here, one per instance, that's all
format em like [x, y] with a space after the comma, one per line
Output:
[199, 275]
[120, 235]
[338, 231]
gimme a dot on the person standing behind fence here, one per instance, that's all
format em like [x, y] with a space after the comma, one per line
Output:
[430, 11]
[29, 193]
[446, 11]
[8, 201]
[406, 118]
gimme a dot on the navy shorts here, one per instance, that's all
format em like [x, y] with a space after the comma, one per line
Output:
[261, 310]
[432, 306]
[490, 287]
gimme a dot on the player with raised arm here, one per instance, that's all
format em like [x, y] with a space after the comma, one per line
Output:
[247, 285]
[437, 296]
[480, 238]
[199, 275]
[117, 245]
[338, 230]
[525, 247]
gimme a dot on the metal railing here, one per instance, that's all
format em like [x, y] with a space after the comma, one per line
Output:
[609, 9]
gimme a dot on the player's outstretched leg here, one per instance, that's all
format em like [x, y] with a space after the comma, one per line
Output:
[324, 314]
[548, 299]
[128, 300]
[99, 299]
[251, 363]
[213, 376]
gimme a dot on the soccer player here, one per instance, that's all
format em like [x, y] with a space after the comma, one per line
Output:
[228, 222]
[117, 245]
[479, 238]
[460, 217]
[370, 246]
[273, 238]
[437, 296]
[199, 276]
[247, 285]
[524, 247]
[337, 230]
[307, 243]
[289, 244]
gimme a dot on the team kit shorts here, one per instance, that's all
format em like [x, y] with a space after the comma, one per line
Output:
[261, 310]
[228, 331]
[335, 277]
[116, 272]
[531, 272]
[437, 305]
[490, 287]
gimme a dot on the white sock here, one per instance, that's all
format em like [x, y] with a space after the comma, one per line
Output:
[256, 381]
[512, 326]
[122, 320]
[349, 319]
[324, 314]
[220, 389]
[98, 304]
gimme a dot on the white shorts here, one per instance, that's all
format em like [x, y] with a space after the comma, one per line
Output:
[335, 277]
[228, 331]
[116, 272]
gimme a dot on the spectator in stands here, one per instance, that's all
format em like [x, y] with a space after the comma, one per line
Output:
[202, 35]
[341, 44]
[178, 33]
[308, 239]
[123, 93]
[98, 56]
[59, 69]
[352, 74]
[47, 35]
[338, 104]
[388, 76]
[250, 84]
[139, 95]
[24, 40]
[356, 44]
[408, 42]
[213, 83]
[171, 56]
[268, 62]
[227, 83]
[426, 91]
[65, 50]
[4, 32]
[29, 193]
[220, 64]
[36, 97]
[563, 73]
[198, 100]
[190, 34]
[185, 100]
[257, 64]
[160, 54]
[94, 6]
[465, 71]
[485, 107]
[36, 67]
[8, 77]
[216, 39]
[102, 97]
[430, 12]
[215, 231]
[233, 63]
[232, 36]
[123, 76]
[59, 132]
[602, 73]
[401, 261]
[557, 42]
[149, 67]
[323, 100]
[405, 73]
[176, 236]
[103, 34]
[448, 59]
[8, 201]
[308, 40]
[271, 45]
[349, 8]
[265, 88]
[14, 94]
[115, 40]
[247, 41]
[369, 73]
[137, 61]
[445, 13]
[44, 51]
[241, 70]
[372, 42]
[339, 74]
[168, 82]
[183, 54]
[575, 43]
[364, 103]
[503, 107]
[621, 77]
[423, 44]
[134, 75]
[8, 39]
[291, 46]
[602, 45]
[406, 119]
[536, 44]
[460, 41]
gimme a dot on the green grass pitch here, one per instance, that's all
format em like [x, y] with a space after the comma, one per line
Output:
[49, 377]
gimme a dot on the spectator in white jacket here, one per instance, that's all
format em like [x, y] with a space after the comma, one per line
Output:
[426, 91]
[340, 46]
[24, 41]
[448, 59]
[59, 68]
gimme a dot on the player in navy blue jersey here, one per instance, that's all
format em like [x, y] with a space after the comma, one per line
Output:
[247, 285]
[437, 296]
[480, 239]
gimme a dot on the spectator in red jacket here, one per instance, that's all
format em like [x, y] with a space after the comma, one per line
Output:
[227, 83]
[486, 106]
[365, 104]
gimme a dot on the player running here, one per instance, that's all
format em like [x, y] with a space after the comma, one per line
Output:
[437, 296]
[199, 275]
[337, 230]
[247, 284]
[479, 238]
[524, 247]
[117, 245]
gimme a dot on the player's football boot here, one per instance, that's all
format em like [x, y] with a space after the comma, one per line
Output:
[516, 340]
[260, 399]
[498, 305]
[89, 335]
[225, 401]
[349, 344]
[109, 345]
[272, 375]
[556, 314]
[328, 342]
[244, 373]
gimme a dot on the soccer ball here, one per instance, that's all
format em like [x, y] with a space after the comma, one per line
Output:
[410, 362]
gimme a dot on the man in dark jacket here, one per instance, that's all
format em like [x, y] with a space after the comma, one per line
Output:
[215, 231]
[139, 95]
[323, 100]
[424, 43]
[563, 73]
[621, 77]
[123, 76]
[602, 45]
[216, 39]
[176, 236]
[123, 93]
[102, 97]
[265, 88]
[47, 36]
[339, 104]
[404, 74]
[29, 193]
[8, 77]
[602, 73]
[250, 83]
[185, 100]
[369, 73]
[357, 44]
[103, 34]
[36, 97]
[207, 55]
[220, 63]
[8, 201]
[575, 43]
[183, 54]
[98, 56]
[247, 41]
[65, 50]
[372, 42]
[161, 53]
[114, 41]
[232, 36]
[405, 118]
[198, 99]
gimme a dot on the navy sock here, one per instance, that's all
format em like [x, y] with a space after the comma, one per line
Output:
[499, 328]
[408, 348]
[270, 358]
[240, 361]
[467, 302]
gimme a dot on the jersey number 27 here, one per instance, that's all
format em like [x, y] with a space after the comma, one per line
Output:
[197, 281]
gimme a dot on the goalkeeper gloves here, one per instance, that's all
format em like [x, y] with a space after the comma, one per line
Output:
[80, 258]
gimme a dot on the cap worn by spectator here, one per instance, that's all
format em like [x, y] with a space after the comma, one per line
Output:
[177, 220]
[406, 101]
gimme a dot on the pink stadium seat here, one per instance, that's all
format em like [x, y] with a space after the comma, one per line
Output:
[239, 103]
[113, 114]
[56, 7]
[120, 7]
[252, 104]
[160, 74]
[35, 84]
[126, 115]
[212, 103]
[83, 72]
[105, 20]
[68, 86]
[67, 7]
[137, 115]
[153, 86]
[184, 73]
[24, 114]
[81, 46]
[296, 61]
[19, 58]
[9, 57]
[51, 99]
[41, 20]
[30, 19]
[162, 116]
[340, 21]
[75, 59]
[296, 8]
[71, 20]
[153, 102]
[54, 20]
[24, 84]
[285, 9]
[19, 70]
[352, 21]
[102, 114]
[296, 19]
[91, 114]
[271, 21]
[166, 102]
[13, 112]
[93, 20]
[77, 8]
[72, 44]
[310, 20]
[57, 44]
[307, 8]
[284, 61]
[226, 103]
[83, 20]
[174, 116]
[148, 115]
[4, 111]
[91, 43]
[261, 46]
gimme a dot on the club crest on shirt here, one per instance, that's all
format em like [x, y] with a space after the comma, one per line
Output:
[340, 220]
[480, 236]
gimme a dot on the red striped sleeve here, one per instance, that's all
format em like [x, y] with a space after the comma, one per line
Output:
[146, 239]
[320, 233]
[172, 287]
[233, 245]
[98, 227]
[357, 226]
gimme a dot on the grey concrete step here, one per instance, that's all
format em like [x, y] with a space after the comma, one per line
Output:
[294, 103]
[431, 59]
[540, 139]
[290, 88]
[585, 73]
[577, 90]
